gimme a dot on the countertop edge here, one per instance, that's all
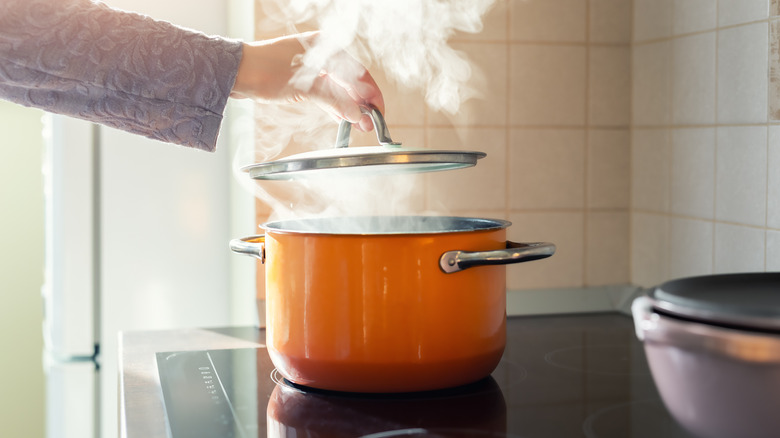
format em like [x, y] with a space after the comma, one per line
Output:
[141, 407]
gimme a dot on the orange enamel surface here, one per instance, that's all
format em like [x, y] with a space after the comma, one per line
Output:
[375, 313]
[385, 377]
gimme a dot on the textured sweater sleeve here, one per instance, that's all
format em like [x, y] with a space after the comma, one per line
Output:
[120, 69]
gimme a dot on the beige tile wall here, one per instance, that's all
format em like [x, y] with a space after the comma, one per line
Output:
[641, 136]
[554, 119]
[705, 144]
[561, 71]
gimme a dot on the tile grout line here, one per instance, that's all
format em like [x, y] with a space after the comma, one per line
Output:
[507, 113]
[768, 118]
[585, 162]
[563, 43]
[593, 126]
[766, 197]
[669, 146]
[706, 220]
[773, 6]
[713, 257]
[705, 125]
[632, 37]
[426, 145]
[702, 32]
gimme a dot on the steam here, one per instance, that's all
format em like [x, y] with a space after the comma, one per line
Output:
[408, 41]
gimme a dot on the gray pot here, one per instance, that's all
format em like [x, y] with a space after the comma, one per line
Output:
[713, 346]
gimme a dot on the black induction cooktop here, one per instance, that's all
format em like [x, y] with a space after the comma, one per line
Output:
[560, 376]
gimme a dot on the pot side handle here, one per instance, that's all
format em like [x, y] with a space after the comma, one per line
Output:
[252, 246]
[644, 318]
[454, 261]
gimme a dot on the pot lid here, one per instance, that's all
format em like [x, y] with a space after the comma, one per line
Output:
[388, 157]
[750, 301]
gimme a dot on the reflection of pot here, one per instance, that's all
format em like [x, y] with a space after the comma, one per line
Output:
[461, 411]
[388, 305]
[713, 345]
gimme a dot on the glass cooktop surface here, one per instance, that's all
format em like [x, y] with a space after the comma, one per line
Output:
[560, 376]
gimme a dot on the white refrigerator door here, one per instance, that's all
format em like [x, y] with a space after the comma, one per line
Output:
[164, 256]
[69, 283]
[164, 225]
[71, 393]
[137, 239]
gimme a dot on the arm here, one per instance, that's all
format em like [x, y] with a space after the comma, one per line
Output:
[128, 71]
[285, 69]
[121, 69]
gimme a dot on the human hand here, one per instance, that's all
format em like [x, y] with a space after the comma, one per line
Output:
[274, 71]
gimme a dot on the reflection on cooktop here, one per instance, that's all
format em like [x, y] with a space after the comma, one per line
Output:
[650, 415]
[599, 359]
[561, 376]
[477, 407]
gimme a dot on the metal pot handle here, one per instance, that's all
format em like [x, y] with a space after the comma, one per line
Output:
[644, 318]
[252, 246]
[454, 261]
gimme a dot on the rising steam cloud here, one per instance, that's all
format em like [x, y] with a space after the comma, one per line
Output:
[408, 41]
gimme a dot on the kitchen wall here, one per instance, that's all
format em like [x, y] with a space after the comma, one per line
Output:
[554, 120]
[560, 73]
[21, 272]
[705, 158]
[640, 136]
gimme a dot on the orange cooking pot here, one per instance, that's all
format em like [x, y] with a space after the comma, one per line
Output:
[386, 304]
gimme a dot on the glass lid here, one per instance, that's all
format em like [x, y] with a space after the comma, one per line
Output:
[388, 157]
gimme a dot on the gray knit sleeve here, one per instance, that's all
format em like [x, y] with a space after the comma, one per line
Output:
[121, 69]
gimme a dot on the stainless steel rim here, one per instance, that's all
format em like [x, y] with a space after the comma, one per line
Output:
[385, 225]
[412, 162]
[743, 345]
[389, 157]
[746, 300]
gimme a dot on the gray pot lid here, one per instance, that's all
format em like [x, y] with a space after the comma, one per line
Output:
[744, 301]
[388, 158]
